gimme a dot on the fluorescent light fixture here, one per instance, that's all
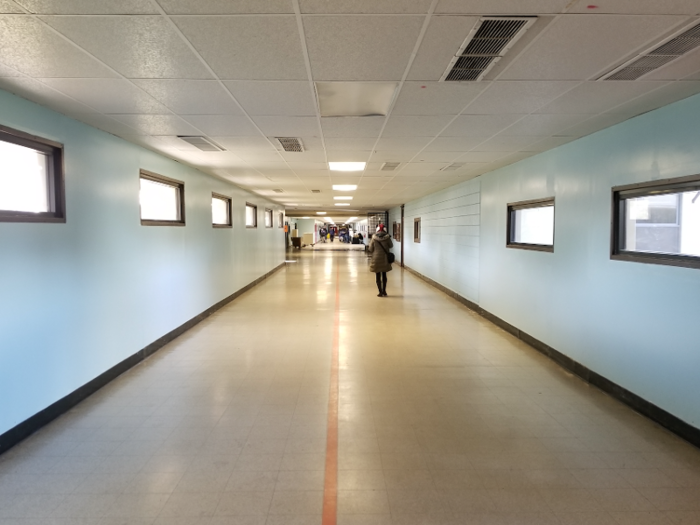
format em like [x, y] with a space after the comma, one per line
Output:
[342, 204]
[342, 198]
[344, 187]
[306, 217]
[350, 219]
[320, 213]
[355, 99]
[347, 166]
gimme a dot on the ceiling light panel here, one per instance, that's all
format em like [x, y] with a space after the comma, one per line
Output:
[345, 187]
[355, 99]
[347, 166]
[342, 198]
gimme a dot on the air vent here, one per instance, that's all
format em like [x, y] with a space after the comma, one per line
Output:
[648, 61]
[291, 144]
[315, 191]
[278, 191]
[453, 167]
[202, 143]
[390, 166]
[486, 44]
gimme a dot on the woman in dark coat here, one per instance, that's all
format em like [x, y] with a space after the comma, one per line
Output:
[379, 248]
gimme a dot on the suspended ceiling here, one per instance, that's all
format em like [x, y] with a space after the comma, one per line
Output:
[241, 72]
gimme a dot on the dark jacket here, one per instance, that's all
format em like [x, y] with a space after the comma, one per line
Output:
[379, 261]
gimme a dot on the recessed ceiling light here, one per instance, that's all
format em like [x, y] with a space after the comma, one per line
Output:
[347, 166]
[342, 204]
[344, 187]
[320, 213]
[343, 198]
[306, 217]
[355, 99]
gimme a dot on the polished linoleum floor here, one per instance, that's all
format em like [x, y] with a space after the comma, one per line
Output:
[442, 419]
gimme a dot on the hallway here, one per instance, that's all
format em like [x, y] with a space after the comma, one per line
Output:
[442, 419]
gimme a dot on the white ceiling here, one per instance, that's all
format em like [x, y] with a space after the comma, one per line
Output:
[242, 72]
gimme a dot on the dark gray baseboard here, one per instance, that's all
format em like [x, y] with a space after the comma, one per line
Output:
[637, 403]
[16, 434]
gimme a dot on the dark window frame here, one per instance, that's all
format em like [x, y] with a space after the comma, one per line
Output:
[512, 207]
[55, 183]
[280, 218]
[180, 185]
[417, 233]
[618, 220]
[268, 213]
[229, 212]
[255, 216]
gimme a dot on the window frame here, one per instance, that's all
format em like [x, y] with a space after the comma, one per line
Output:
[180, 185]
[417, 233]
[255, 216]
[55, 177]
[618, 220]
[268, 213]
[512, 207]
[280, 218]
[229, 223]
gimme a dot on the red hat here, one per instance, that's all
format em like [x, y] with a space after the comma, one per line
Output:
[380, 227]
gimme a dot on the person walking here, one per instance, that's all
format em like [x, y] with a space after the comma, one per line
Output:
[379, 263]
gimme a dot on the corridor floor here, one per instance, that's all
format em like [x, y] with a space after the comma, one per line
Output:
[442, 418]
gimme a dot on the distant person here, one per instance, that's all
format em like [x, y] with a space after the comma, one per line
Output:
[379, 248]
[332, 232]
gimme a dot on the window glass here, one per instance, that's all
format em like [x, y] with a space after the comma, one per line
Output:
[416, 230]
[666, 224]
[268, 218]
[251, 216]
[159, 201]
[281, 220]
[220, 211]
[534, 226]
[24, 176]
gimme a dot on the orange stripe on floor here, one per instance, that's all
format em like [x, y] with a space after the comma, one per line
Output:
[330, 487]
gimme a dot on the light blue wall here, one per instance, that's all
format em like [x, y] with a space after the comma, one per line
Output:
[78, 298]
[636, 324]
[449, 249]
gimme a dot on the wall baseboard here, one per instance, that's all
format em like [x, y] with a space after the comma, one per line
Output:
[20, 432]
[667, 420]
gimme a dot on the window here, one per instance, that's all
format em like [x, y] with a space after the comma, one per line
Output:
[268, 218]
[162, 200]
[281, 220]
[251, 216]
[31, 178]
[658, 222]
[531, 225]
[220, 211]
[416, 230]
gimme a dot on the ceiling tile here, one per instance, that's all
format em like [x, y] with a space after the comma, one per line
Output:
[479, 125]
[223, 125]
[107, 95]
[405, 143]
[392, 156]
[639, 7]
[158, 124]
[436, 98]
[425, 126]
[543, 124]
[481, 156]
[42, 94]
[191, 97]
[225, 7]
[256, 155]
[106, 123]
[358, 127]
[360, 47]
[508, 143]
[441, 42]
[29, 46]
[136, 46]
[306, 156]
[6, 71]
[660, 97]
[348, 156]
[598, 97]
[274, 98]
[9, 7]
[417, 168]
[455, 143]
[247, 47]
[503, 7]
[89, 7]
[243, 143]
[438, 156]
[518, 97]
[593, 124]
[583, 46]
[365, 6]
[288, 126]
[350, 143]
